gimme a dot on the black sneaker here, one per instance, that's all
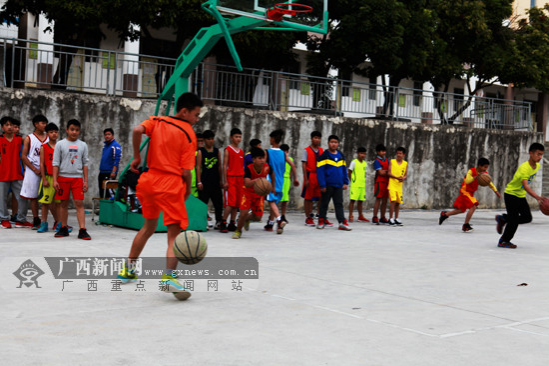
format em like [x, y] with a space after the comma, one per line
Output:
[217, 225]
[64, 231]
[269, 226]
[442, 217]
[283, 218]
[392, 222]
[467, 228]
[36, 223]
[223, 227]
[83, 234]
[232, 226]
[506, 244]
[500, 224]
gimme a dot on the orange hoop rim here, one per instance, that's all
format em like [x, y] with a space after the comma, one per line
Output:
[304, 8]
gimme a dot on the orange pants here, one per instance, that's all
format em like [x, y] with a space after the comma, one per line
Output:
[163, 192]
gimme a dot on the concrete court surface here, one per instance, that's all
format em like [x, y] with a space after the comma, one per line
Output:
[421, 294]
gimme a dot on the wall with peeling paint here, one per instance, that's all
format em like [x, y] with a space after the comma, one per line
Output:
[438, 156]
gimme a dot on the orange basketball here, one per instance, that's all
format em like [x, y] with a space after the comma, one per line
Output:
[544, 206]
[262, 187]
[484, 179]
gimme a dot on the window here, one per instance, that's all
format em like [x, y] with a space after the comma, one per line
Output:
[418, 93]
[372, 88]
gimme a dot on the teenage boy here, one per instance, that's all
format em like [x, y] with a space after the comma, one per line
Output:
[110, 159]
[70, 175]
[311, 190]
[209, 173]
[233, 176]
[31, 159]
[333, 180]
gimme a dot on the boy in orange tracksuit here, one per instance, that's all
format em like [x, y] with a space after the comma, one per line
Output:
[466, 200]
[171, 157]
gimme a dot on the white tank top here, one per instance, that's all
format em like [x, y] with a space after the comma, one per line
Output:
[34, 149]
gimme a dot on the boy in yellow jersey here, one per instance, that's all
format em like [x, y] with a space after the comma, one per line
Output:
[466, 200]
[287, 184]
[518, 211]
[398, 172]
[357, 177]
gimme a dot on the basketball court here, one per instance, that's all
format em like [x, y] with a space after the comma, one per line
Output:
[421, 294]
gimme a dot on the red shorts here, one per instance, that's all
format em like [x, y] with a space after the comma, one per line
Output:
[252, 201]
[233, 195]
[465, 201]
[163, 192]
[380, 189]
[312, 191]
[68, 185]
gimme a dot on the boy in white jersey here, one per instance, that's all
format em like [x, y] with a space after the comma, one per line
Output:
[31, 160]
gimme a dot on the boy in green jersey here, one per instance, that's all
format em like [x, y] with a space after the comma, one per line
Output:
[357, 177]
[518, 211]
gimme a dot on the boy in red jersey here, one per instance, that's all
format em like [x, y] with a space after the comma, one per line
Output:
[251, 207]
[311, 189]
[46, 193]
[166, 185]
[381, 193]
[11, 174]
[233, 177]
[466, 200]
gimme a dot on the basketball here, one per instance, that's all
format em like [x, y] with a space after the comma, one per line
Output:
[484, 179]
[544, 206]
[190, 247]
[262, 187]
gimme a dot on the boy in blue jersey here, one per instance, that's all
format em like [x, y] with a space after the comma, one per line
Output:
[331, 170]
[277, 159]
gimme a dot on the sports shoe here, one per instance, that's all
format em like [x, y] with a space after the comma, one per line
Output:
[269, 226]
[6, 224]
[24, 224]
[217, 225]
[392, 222]
[223, 227]
[384, 221]
[43, 227]
[506, 244]
[83, 234]
[328, 223]
[443, 217]
[237, 234]
[57, 227]
[170, 283]
[351, 218]
[64, 231]
[375, 220]
[398, 222]
[344, 226]
[500, 224]
[284, 219]
[362, 219]
[231, 226]
[309, 221]
[125, 275]
[321, 224]
[467, 228]
[36, 223]
[280, 226]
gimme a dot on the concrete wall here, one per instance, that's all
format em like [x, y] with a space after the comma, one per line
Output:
[438, 156]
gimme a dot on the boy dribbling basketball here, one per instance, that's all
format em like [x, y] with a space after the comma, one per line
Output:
[166, 185]
[466, 200]
[251, 207]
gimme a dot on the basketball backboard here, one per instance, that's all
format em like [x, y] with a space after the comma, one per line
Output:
[314, 21]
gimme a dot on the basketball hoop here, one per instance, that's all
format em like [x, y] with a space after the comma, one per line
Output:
[279, 10]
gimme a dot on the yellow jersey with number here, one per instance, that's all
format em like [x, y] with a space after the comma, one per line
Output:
[398, 170]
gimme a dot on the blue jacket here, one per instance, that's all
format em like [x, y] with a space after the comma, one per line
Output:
[331, 170]
[112, 152]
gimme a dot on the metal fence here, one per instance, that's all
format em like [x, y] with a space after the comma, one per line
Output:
[26, 63]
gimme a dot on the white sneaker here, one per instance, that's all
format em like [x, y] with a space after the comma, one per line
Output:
[398, 222]
[344, 226]
[392, 222]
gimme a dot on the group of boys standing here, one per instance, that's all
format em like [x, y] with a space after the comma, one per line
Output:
[38, 169]
[325, 177]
